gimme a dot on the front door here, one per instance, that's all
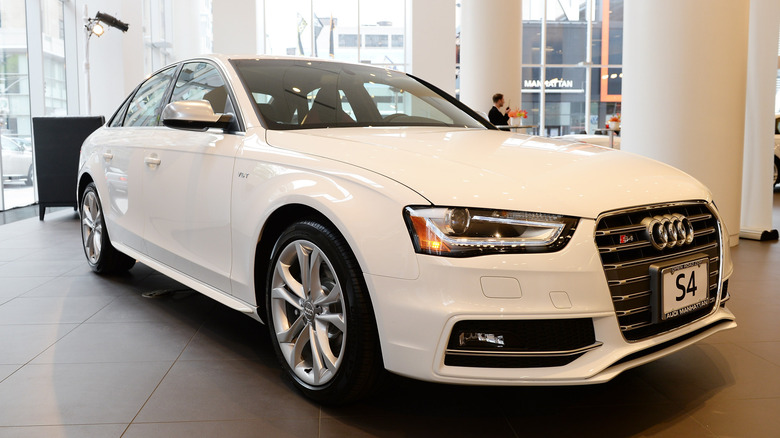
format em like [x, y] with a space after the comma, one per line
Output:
[187, 183]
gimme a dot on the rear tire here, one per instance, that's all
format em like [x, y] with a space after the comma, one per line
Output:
[102, 257]
[320, 316]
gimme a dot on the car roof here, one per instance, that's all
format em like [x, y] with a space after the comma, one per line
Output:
[225, 59]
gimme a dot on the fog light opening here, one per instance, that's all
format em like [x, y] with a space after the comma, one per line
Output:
[478, 339]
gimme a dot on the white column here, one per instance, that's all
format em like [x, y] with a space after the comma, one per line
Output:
[235, 27]
[685, 67]
[430, 41]
[490, 52]
[759, 121]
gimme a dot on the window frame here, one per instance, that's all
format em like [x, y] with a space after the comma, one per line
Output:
[237, 114]
[121, 112]
[163, 101]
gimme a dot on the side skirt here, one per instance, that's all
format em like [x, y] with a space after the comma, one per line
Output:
[215, 294]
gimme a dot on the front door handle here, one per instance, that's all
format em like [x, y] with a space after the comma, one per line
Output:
[108, 156]
[152, 160]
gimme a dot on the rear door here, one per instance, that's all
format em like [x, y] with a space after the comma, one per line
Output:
[121, 155]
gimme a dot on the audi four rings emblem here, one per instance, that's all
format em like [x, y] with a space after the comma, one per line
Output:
[668, 231]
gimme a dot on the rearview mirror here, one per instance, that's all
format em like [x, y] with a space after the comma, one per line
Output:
[194, 115]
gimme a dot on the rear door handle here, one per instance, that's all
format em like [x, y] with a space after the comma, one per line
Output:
[152, 160]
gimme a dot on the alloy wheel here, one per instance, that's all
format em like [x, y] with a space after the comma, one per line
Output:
[92, 226]
[308, 312]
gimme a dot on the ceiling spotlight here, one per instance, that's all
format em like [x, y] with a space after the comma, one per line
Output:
[97, 29]
[95, 26]
[112, 21]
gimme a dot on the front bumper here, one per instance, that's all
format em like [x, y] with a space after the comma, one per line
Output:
[415, 318]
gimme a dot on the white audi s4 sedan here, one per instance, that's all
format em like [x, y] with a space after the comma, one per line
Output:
[375, 224]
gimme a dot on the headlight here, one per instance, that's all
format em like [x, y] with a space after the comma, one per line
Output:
[464, 232]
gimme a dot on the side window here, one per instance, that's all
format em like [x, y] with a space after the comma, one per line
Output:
[145, 108]
[201, 81]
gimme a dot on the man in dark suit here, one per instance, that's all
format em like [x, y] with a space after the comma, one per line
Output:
[497, 116]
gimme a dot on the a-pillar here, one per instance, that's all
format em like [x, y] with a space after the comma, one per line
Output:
[490, 52]
[684, 66]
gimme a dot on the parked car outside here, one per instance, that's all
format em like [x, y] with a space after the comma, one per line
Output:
[375, 223]
[17, 160]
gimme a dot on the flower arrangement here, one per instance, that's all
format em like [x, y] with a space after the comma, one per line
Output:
[518, 113]
[614, 122]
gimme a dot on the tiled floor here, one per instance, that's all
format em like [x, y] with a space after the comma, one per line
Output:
[89, 356]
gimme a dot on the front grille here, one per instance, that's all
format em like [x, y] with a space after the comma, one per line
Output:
[627, 256]
[524, 343]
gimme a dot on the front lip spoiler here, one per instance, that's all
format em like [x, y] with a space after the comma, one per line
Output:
[565, 353]
[726, 324]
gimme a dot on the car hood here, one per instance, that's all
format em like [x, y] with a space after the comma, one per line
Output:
[502, 170]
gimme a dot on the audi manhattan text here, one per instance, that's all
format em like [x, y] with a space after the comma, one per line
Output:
[374, 224]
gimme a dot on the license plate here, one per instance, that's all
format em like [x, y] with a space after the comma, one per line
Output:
[684, 287]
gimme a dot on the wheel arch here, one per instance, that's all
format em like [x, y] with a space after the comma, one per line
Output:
[84, 181]
[277, 221]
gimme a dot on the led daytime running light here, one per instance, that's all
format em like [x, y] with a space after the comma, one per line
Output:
[462, 232]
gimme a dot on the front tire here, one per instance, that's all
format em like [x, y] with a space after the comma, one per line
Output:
[102, 257]
[320, 316]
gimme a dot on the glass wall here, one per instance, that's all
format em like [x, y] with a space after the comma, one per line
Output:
[15, 128]
[349, 30]
[15, 97]
[572, 64]
[157, 29]
[572, 59]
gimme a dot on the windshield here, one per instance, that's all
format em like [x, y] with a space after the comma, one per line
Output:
[299, 94]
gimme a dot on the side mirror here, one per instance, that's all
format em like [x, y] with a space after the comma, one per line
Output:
[194, 115]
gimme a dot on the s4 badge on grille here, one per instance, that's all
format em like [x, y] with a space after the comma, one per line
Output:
[626, 238]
